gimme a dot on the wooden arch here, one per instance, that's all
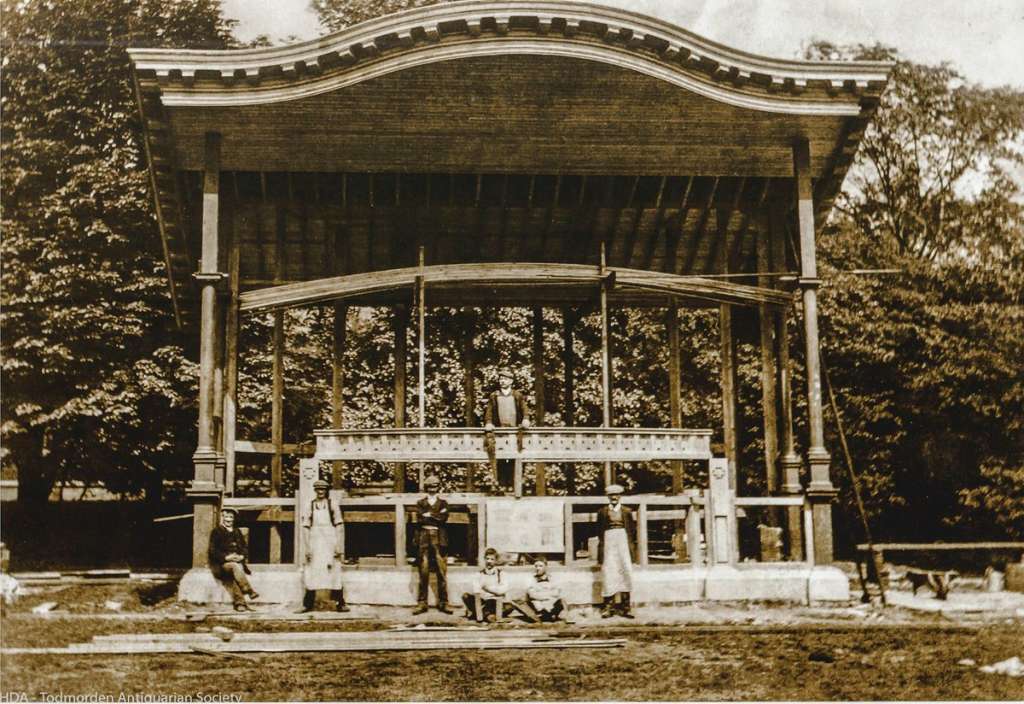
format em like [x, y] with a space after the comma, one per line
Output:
[483, 275]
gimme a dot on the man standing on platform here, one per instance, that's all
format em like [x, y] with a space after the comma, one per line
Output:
[617, 529]
[228, 554]
[506, 408]
[433, 545]
[324, 538]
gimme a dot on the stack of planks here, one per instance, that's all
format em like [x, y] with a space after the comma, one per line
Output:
[314, 641]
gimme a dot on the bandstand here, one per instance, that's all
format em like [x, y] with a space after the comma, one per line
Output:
[542, 154]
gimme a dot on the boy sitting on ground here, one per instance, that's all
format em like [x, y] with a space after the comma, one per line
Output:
[542, 596]
[488, 585]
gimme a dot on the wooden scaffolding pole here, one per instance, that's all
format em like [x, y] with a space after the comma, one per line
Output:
[400, 324]
[468, 386]
[538, 391]
[569, 389]
[339, 340]
[606, 364]
[421, 391]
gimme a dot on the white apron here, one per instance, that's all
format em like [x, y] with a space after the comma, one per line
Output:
[617, 568]
[323, 571]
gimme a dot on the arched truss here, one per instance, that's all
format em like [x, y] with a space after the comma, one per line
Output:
[484, 275]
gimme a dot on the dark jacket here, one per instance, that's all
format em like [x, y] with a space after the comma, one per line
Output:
[224, 542]
[438, 518]
[604, 522]
[491, 414]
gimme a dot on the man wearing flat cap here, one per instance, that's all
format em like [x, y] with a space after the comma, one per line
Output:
[227, 555]
[432, 541]
[324, 539]
[506, 408]
[617, 529]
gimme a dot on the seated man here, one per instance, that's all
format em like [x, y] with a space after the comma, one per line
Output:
[488, 586]
[227, 555]
[542, 596]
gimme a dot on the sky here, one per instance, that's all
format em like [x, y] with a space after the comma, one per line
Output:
[984, 39]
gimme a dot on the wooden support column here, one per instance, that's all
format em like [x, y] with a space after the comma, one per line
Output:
[421, 391]
[468, 387]
[789, 461]
[675, 418]
[768, 364]
[400, 324]
[606, 365]
[727, 344]
[674, 390]
[277, 426]
[339, 340]
[231, 367]
[218, 377]
[820, 491]
[569, 389]
[206, 487]
[538, 391]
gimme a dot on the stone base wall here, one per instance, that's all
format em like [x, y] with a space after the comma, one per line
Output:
[394, 586]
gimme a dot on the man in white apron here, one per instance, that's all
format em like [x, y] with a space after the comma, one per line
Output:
[617, 529]
[325, 546]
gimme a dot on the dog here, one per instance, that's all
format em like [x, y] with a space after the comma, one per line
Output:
[938, 582]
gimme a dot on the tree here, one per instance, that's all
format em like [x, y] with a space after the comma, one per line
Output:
[928, 363]
[339, 14]
[96, 384]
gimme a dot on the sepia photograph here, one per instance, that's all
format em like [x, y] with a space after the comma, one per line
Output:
[511, 350]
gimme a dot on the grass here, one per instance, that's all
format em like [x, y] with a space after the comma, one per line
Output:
[829, 659]
[659, 663]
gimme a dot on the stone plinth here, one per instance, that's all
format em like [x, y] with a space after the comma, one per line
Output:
[384, 585]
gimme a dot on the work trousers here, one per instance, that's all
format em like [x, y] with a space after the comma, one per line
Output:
[432, 554]
[233, 576]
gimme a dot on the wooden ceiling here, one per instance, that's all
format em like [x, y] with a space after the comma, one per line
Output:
[293, 227]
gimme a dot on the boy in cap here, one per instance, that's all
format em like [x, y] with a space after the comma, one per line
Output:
[227, 555]
[324, 533]
[506, 408]
[432, 542]
[617, 528]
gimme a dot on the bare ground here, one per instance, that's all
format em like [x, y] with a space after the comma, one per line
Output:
[702, 652]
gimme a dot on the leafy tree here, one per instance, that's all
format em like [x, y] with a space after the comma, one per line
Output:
[96, 385]
[339, 14]
[928, 363]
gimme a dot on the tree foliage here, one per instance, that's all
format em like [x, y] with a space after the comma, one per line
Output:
[339, 14]
[94, 382]
[929, 363]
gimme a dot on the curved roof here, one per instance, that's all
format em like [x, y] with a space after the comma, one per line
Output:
[517, 87]
[483, 27]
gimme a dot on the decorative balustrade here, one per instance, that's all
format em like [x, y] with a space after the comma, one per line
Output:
[531, 445]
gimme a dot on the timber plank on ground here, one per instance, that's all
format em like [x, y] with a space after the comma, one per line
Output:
[327, 641]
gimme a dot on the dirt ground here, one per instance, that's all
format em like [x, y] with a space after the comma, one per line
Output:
[688, 652]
